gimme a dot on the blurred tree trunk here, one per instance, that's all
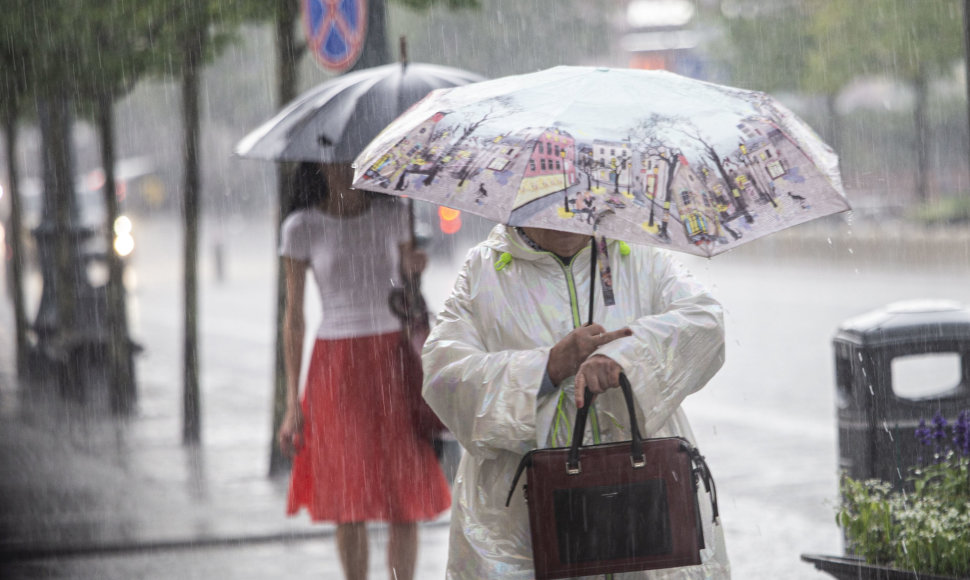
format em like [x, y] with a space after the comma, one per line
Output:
[376, 49]
[121, 375]
[921, 86]
[15, 237]
[966, 54]
[289, 51]
[192, 51]
[59, 201]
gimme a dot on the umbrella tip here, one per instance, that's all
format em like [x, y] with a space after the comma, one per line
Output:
[404, 50]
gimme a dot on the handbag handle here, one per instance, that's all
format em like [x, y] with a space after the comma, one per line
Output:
[702, 473]
[573, 465]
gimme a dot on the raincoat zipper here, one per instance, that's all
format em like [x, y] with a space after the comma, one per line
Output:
[577, 322]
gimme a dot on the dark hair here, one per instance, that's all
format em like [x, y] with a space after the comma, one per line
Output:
[309, 187]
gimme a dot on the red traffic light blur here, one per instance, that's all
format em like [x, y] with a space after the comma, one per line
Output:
[449, 220]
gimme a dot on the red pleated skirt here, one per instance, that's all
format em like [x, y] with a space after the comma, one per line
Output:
[361, 459]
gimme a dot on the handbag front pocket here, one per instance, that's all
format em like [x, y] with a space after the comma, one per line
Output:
[613, 522]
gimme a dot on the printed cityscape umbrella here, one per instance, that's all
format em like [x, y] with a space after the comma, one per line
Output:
[335, 120]
[647, 157]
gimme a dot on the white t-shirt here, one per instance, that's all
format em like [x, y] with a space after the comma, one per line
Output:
[354, 261]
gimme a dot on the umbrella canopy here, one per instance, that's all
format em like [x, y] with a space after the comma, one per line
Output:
[335, 120]
[644, 156]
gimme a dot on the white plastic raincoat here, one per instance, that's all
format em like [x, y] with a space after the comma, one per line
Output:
[485, 360]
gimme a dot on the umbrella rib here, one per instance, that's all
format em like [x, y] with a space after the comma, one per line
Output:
[358, 90]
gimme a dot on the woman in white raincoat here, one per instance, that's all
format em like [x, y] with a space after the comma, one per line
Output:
[502, 362]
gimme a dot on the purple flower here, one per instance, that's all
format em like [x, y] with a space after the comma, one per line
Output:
[939, 428]
[961, 433]
[923, 433]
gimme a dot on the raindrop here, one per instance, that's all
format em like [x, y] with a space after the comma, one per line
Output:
[829, 241]
[871, 390]
[885, 427]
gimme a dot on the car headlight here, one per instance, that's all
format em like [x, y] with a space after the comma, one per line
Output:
[124, 243]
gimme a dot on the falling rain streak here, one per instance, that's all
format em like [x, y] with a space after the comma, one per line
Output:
[139, 376]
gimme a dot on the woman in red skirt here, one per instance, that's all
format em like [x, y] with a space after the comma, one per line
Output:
[357, 456]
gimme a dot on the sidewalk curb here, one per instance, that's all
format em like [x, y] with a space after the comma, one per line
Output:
[883, 244]
[107, 549]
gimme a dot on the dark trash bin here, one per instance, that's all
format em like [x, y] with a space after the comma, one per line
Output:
[895, 366]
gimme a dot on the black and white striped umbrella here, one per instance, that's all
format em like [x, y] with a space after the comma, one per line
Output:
[335, 120]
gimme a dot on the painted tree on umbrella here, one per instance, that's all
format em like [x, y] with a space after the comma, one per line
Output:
[645, 156]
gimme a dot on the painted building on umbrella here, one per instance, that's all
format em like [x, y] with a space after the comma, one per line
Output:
[551, 166]
[613, 161]
[586, 164]
[717, 192]
[650, 177]
[761, 154]
[494, 155]
[499, 153]
[653, 170]
[696, 208]
[416, 152]
[758, 165]
[688, 199]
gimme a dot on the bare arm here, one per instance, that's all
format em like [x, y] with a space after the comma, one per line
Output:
[294, 329]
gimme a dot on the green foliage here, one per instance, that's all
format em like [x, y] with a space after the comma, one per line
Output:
[899, 38]
[13, 60]
[822, 45]
[767, 46]
[508, 36]
[116, 46]
[90, 49]
[866, 518]
[927, 529]
[947, 210]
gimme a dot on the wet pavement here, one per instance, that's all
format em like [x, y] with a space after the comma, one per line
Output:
[83, 495]
[87, 496]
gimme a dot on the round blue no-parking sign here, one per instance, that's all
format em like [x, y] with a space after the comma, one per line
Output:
[335, 31]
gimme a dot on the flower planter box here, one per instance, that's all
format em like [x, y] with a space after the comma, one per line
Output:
[848, 568]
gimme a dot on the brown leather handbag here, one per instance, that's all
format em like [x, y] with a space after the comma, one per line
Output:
[614, 507]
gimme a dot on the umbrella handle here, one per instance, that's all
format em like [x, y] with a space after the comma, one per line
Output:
[592, 277]
[411, 221]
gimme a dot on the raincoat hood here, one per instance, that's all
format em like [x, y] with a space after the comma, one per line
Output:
[504, 239]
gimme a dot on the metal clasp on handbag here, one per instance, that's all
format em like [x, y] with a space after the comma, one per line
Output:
[636, 462]
[637, 458]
